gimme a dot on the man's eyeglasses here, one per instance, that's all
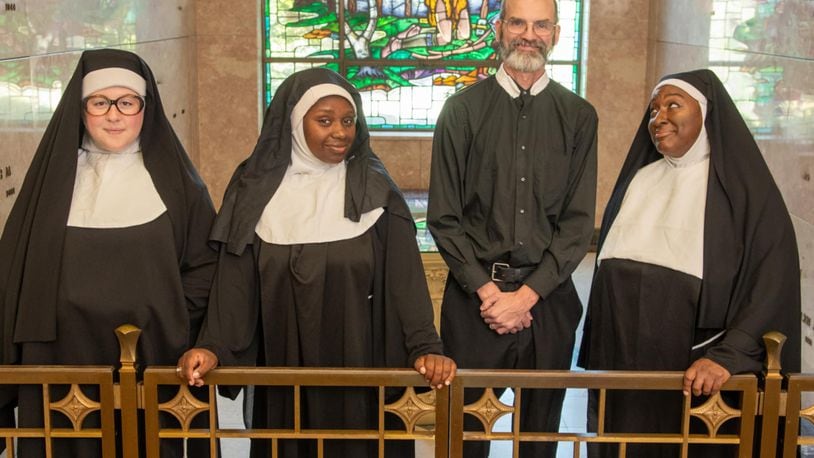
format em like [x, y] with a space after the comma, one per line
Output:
[541, 28]
[128, 105]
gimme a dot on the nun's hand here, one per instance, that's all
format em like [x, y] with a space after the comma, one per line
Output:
[438, 370]
[705, 376]
[194, 364]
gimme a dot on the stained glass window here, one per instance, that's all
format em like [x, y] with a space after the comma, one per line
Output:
[405, 56]
[744, 35]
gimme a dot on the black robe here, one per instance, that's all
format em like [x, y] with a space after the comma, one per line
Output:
[56, 283]
[751, 276]
[361, 302]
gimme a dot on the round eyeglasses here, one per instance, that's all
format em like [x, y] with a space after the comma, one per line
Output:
[542, 28]
[128, 105]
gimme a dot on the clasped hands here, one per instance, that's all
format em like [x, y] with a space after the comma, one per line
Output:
[438, 370]
[507, 312]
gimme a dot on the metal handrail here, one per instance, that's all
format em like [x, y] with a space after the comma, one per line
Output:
[435, 415]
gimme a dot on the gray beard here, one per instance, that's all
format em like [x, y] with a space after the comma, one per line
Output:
[521, 61]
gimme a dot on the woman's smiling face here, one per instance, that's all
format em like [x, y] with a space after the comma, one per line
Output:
[330, 128]
[675, 121]
[114, 131]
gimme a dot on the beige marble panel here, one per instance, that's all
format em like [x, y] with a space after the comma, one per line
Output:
[425, 161]
[619, 97]
[40, 27]
[617, 64]
[625, 20]
[227, 18]
[228, 107]
[402, 157]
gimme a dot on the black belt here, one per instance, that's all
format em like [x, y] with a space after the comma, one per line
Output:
[503, 272]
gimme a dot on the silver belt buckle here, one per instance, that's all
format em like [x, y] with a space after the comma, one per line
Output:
[495, 266]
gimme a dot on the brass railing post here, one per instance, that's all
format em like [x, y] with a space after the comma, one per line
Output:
[128, 336]
[771, 394]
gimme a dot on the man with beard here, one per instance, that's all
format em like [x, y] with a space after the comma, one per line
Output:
[511, 208]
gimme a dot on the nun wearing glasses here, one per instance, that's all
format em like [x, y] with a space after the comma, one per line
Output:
[110, 227]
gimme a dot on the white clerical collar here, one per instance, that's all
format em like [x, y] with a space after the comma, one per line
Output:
[510, 86]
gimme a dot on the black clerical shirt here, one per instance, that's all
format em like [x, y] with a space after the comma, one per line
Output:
[513, 180]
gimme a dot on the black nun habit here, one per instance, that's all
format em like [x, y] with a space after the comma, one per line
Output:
[64, 288]
[347, 302]
[750, 282]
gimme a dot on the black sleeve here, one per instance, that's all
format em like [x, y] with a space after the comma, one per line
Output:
[230, 329]
[450, 144]
[405, 289]
[766, 298]
[198, 262]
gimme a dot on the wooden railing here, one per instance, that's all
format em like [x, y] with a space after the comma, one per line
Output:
[436, 415]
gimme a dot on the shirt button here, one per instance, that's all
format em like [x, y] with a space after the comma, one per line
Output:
[522, 211]
[523, 179]
[520, 243]
[524, 116]
[523, 147]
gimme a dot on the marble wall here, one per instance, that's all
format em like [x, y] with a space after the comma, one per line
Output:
[229, 87]
[618, 52]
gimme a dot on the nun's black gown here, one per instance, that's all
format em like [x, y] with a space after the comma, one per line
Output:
[357, 302]
[643, 316]
[65, 289]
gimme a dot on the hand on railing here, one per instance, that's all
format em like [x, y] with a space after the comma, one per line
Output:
[705, 376]
[194, 364]
[438, 370]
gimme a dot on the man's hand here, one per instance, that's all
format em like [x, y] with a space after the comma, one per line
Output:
[509, 312]
[705, 376]
[488, 291]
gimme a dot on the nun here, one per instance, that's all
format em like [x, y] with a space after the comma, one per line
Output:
[110, 228]
[318, 267]
[697, 259]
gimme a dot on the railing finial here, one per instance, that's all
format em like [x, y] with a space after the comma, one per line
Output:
[128, 336]
[773, 341]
